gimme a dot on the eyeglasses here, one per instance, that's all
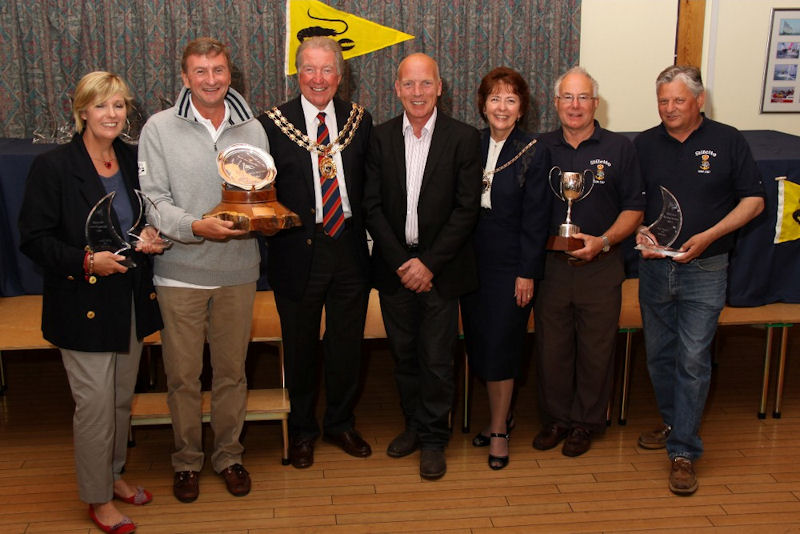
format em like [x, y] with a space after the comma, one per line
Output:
[581, 98]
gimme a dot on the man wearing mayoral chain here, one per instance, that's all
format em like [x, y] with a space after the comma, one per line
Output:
[319, 143]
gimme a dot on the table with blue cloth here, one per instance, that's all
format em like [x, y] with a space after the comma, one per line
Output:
[761, 272]
[18, 274]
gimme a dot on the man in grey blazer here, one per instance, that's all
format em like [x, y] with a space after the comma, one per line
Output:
[422, 199]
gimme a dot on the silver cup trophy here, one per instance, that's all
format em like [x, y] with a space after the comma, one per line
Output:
[570, 187]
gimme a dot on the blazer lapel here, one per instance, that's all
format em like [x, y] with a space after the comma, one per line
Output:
[85, 174]
[440, 133]
[398, 146]
[294, 114]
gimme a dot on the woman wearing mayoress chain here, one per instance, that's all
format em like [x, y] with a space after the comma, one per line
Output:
[95, 309]
[509, 243]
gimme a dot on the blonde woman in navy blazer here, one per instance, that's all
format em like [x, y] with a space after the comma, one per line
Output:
[509, 244]
[95, 309]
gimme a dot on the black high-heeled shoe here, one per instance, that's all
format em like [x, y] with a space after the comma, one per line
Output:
[482, 440]
[498, 462]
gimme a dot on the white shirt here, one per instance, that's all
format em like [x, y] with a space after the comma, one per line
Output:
[214, 133]
[310, 113]
[491, 164]
[417, 149]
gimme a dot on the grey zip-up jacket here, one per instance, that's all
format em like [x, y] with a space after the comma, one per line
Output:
[178, 171]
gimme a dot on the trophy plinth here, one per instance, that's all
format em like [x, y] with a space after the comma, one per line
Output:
[254, 211]
[248, 193]
[558, 242]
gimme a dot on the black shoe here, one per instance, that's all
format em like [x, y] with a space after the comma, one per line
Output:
[301, 452]
[482, 440]
[549, 436]
[577, 443]
[403, 445]
[432, 464]
[498, 462]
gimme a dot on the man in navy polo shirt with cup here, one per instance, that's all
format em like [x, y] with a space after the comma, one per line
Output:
[709, 169]
[578, 302]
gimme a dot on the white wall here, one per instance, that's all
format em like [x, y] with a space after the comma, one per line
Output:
[626, 43]
[737, 61]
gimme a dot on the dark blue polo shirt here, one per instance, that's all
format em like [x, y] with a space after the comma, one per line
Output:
[708, 173]
[618, 184]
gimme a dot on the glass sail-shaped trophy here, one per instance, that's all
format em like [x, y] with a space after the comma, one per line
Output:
[101, 235]
[661, 234]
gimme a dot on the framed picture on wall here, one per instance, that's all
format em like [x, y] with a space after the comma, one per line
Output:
[781, 90]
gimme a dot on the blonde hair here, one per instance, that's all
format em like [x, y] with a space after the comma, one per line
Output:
[98, 86]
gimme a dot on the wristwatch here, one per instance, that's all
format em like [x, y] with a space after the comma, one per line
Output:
[606, 243]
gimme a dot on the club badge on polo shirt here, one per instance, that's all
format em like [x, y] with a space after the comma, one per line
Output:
[599, 169]
[704, 166]
[142, 170]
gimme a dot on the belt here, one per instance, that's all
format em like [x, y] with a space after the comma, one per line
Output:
[575, 262]
[412, 248]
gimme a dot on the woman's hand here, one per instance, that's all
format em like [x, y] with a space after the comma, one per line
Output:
[107, 263]
[523, 291]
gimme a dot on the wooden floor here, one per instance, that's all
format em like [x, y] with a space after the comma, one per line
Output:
[749, 476]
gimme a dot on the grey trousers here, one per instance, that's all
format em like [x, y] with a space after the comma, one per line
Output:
[102, 386]
[223, 315]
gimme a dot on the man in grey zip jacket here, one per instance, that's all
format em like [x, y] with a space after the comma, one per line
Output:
[206, 282]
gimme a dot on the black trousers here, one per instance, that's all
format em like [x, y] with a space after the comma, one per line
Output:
[576, 313]
[422, 329]
[339, 284]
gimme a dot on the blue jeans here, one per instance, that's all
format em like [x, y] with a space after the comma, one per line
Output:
[680, 308]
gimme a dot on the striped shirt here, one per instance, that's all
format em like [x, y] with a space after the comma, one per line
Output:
[416, 155]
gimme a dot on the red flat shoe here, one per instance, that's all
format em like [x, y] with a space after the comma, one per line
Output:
[126, 526]
[140, 498]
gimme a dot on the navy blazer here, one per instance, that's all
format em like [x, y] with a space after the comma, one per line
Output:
[521, 202]
[86, 315]
[449, 202]
[290, 251]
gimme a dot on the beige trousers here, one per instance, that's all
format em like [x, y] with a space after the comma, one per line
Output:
[102, 386]
[222, 316]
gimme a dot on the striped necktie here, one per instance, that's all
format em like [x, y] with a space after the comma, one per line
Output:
[332, 214]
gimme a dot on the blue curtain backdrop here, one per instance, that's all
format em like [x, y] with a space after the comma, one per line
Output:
[48, 45]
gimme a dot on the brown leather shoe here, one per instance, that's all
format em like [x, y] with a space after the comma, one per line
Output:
[186, 486]
[301, 452]
[350, 442]
[432, 464]
[578, 442]
[404, 444]
[655, 439]
[549, 436]
[237, 480]
[682, 479]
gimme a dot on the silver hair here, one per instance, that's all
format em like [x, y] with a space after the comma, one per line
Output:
[689, 75]
[576, 70]
[326, 43]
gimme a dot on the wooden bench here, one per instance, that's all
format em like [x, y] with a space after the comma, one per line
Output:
[20, 320]
[771, 316]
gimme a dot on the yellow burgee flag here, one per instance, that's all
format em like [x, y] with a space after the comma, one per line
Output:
[356, 35]
[787, 225]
